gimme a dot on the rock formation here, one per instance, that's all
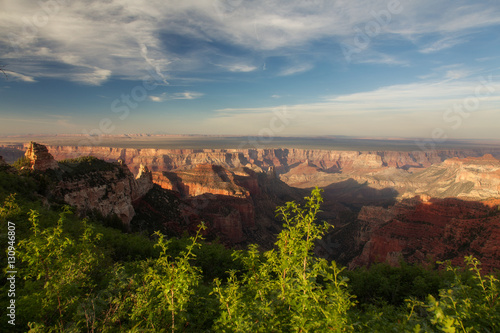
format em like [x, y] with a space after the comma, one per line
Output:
[92, 185]
[143, 182]
[262, 159]
[439, 229]
[469, 178]
[219, 197]
[108, 190]
[235, 192]
[40, 158]
[203, 178]
[472, 178]
[228, 218]
[2, 162]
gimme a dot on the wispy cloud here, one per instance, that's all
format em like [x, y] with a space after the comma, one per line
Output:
[187, 95]
[371, 57]
[296, 69]
[450, 72]
[442, 44]
[406, 110]
[94, 41]
[457, 74]
[57, 121]
[241, 68]
[181, 95]
[19, 76]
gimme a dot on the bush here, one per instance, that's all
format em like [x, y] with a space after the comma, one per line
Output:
[85, 165]
[287, 289]
[384, 284]
[22, 162]
[79, 277]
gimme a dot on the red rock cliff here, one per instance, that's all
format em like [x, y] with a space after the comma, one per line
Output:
[440, 229]
[258, 159]
[40, 158]
[203, 178]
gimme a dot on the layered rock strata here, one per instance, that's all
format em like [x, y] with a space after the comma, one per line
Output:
[109, 191]
[204, 178]
[263, 159]
[92, 185]
[222, 198]
[438, 229]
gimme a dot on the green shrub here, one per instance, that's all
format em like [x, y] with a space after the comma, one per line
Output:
[287, 289]
[22, 162]
[85, 165]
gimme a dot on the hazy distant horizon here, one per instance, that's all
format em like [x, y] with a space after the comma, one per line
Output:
[190, 141]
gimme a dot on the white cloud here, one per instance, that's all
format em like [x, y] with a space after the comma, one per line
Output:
[241, 68]
[94, 78]
[180, 95]
[442, 44]
[187, 95]
[456, 74]
[19, 76]
[125, 39]
[371, 57]
[157, 99]
[402, 110]
[296, 69]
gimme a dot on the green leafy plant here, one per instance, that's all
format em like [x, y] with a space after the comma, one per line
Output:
[167, 288]
[472, 303]
[59, 273]
[287, 289]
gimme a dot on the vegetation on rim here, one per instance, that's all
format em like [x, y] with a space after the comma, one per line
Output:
[78, 276]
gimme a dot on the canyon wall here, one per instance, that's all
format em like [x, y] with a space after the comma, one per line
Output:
[91, 184]
[281, 159]
[108, 191]
[419, 231]
[228, 190]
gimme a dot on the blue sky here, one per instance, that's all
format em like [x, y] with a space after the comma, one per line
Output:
[397, 68]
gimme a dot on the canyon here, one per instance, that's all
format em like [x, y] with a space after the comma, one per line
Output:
[281, 159]
[383, 205]
[420, 231]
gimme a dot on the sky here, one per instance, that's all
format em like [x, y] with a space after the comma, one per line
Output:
[389, 68]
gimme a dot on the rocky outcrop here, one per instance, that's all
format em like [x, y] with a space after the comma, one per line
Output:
[104, 187]
[93, 185]
[107, 192]
[143, 182]
[40, 158]
[439, 229]
[2, 162]
[472, 178]
[219, 197]
[228, 218]
[204, 178]
[469, 178]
